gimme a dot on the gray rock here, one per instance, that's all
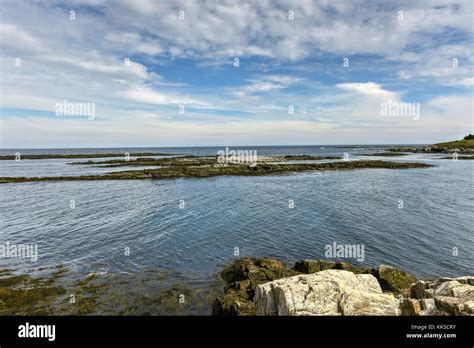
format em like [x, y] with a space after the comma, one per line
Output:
[429, 308]
[455, 298]
[428, 303]
[449, 304]
[446, 288]
[465, 280]
[267, 300]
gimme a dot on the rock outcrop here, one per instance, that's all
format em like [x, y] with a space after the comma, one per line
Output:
[321, 287]
[328, 292]
[242, 278]
[396, 280]
[447, 296]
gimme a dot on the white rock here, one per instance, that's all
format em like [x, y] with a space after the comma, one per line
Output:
[445, 289]
[355, 302]
[265, 293]
[330, 292]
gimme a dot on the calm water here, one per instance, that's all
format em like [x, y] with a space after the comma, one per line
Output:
[249, 213]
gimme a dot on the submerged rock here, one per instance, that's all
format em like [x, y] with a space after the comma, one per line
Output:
[328, 292]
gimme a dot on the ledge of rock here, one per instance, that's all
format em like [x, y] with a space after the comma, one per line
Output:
[321, 287]
[328, 292]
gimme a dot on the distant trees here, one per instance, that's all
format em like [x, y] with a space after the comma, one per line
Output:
[469, 137]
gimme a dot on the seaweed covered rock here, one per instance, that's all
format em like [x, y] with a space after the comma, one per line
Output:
[309, 266]
[323, 287]
[396, 280]
[233, 302]
[242, 278]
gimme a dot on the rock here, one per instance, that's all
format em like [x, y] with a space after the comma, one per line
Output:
[411, 306]
[242, 277]
[233, 303]
[351, 268]
[328, 292]
[468, 308]
[237, 270]
[445, 289]
[312, 266]
[396, 280]
[465, 280]
[269, 287]
[419, 290]
[355, 302]
[255, 272]
[455, 298]
[428, 303]
[309, 266]
[448, 304]
[267, 299]
[428, 308]
[241, 285]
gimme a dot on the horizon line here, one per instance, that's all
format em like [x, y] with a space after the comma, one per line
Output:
[206, 146]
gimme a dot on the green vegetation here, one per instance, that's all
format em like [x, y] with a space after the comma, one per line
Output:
[465, 143]
[151, 292]
[94, 155]
[192, 161]
[162, 162]
[242, 278]
[203, 171]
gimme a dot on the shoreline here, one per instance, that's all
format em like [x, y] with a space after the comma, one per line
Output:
[242, 287]
[269, 287]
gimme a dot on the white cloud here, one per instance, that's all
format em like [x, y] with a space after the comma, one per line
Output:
[265, 84]
[370, 89]
[83, 60]
[147, 95]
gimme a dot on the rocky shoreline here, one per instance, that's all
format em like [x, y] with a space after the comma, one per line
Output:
[200, 168]
[321, 287]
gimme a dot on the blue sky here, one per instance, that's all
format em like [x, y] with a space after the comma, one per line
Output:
[402, 51]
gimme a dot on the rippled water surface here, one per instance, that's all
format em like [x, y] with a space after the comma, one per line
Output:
[248, 213]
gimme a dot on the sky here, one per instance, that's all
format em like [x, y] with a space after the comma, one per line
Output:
[228, 73]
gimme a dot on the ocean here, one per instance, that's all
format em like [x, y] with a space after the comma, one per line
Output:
[420, 220]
